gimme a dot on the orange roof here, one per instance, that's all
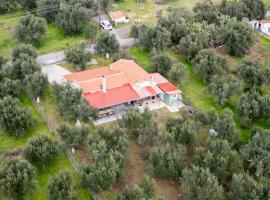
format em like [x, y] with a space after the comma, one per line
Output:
[133, 71]
[117, 14]
[90, 74]
[112, 97]
[169, 88]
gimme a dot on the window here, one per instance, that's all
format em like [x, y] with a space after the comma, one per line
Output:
[174, 96]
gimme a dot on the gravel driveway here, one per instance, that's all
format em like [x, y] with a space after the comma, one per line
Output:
[55, 73]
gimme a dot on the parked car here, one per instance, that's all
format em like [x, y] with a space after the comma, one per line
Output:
[106, 25]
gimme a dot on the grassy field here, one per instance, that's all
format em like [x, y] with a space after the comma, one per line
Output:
[55, 39]
[8, 144]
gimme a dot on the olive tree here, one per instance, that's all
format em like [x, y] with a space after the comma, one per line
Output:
[61, 187]
[237, 36]
[161, 62]
[199, 184]
[71, 104]
[72, 19]
[107, 43]
[251, 72]
[23, 49]
[256, 153]
[73, 136]
[206, 11]
[256, 9]
[24, 65]
[140, 126]
[223, 87]
[244, 187]
[221, 160]
[194, 42]
[36, 83]
[14, 117]
[166, 161]
[17, 179]
[226, 128]
[48, 9]
[78, 56]
[177, 72]
[41, 150]
[30, 29]
[9, 87]
[208, 63]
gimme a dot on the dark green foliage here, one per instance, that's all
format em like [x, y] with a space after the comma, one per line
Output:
[14, 117]
[193, 43]
[154, 37]
[226, 128]
[61, 187]
[134, 31]
[101, 175]
[48, 9]
[161, 62]
[24, 65]
[108, 148]
[233, 9]
[72, 19]
[24, 49]
[223, 87]
[107, 43]
[30, 29]
[9, 87]
[256, 9]
[28, 4]
[206, 118]
[199, 184]
[176, 24]
[244, 187]
[251, 72]
[91, 30]
[257, 152]
[17, 179]
[8, 5]
[108, 140]
[91, 4]
[36, 83]
[140, 125]
[2, 61]
[237, 36]
[41, 150]
[78, 56]
[221, 160]
[130, 193]
[147, 186]
[167, 161]
[71, 104]
[74, 137]
[208, 63]
[253, 106]
[182, 130]
[177, 72]
[206, 11]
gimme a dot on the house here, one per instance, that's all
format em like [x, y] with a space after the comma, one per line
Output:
[124, 84]
[261, 25]
[118, 17]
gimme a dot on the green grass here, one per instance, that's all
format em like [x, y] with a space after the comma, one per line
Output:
[9, 143]
[55, 39]
[194, 89]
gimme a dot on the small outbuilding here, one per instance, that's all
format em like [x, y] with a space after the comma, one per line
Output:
[119, 17]
[261, 26]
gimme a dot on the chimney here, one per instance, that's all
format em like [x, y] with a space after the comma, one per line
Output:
[104, 84]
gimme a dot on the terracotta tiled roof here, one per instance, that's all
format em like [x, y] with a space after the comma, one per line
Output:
[90, 74]
[169, 88]
[158, 78]
[117, 14]
[112, 97]
[133, 71]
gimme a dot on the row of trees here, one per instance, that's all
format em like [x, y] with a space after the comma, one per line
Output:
[18, 181]
[25, 71]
